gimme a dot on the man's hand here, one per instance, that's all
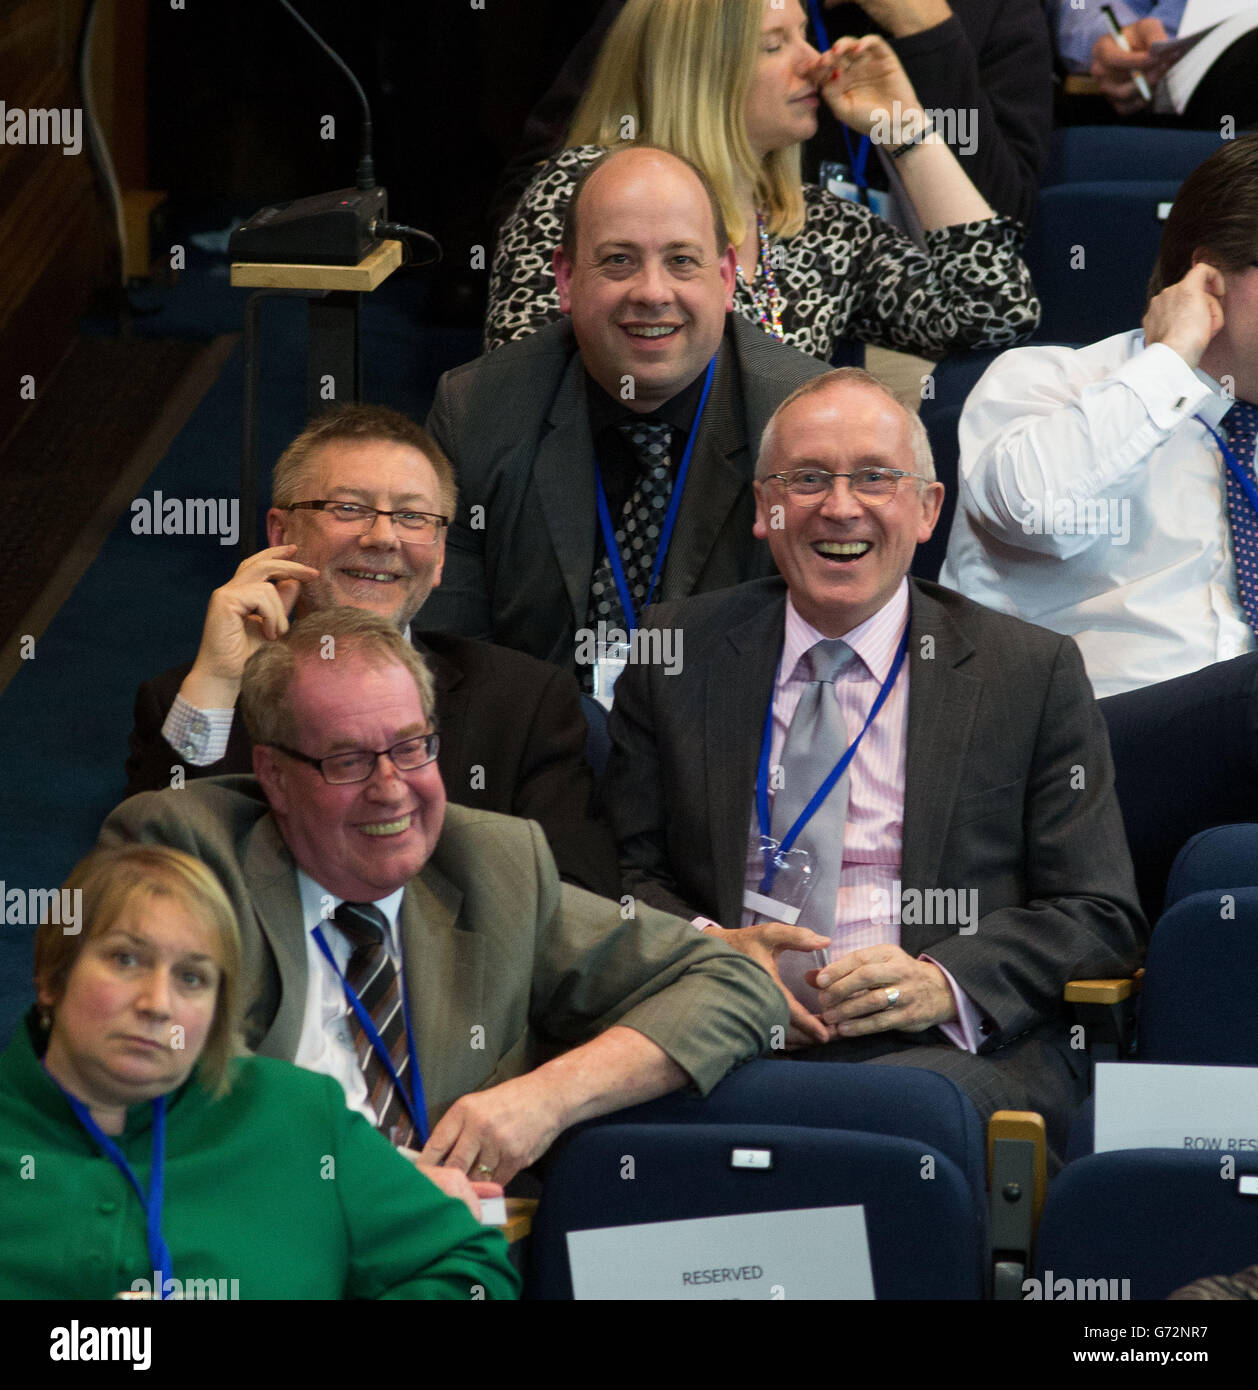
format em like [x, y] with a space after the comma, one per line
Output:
[858, 77]
[494, 1134]
[1187, 315]
[251, 608]
[1114, 70]
[853, 993]
[763, 944]
[900, 18]
[453, 1183]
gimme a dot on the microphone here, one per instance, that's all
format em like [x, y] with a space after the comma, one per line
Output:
[338, 228]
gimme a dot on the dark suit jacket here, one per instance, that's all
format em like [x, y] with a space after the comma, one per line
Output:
[502, 963]
[1008, 791]
[1185, 759]
[517, 719]
[516, 426]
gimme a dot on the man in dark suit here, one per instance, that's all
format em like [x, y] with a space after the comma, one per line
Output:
[612, 396]
[970, 860]
[512, 730]
[348, 873]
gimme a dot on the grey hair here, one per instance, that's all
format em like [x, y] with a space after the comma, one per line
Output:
[923, 461]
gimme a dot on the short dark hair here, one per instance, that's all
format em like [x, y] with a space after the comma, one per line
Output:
[358, 424]
[1217, 210]
[568, 238]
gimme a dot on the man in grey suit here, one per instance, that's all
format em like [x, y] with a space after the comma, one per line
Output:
[611, 397]
[482, 967]
[968, 862]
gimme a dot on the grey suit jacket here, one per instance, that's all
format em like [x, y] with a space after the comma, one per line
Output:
[503, 964]
[521, 550]
[1008, 791]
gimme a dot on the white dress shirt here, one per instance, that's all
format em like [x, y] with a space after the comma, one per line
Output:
[327, 1040]
[1093, 503]
[867, 909]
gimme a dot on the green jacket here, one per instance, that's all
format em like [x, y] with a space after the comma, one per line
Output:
[276, 1185]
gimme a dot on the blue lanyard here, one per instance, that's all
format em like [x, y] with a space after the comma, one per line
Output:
[416, 1107]
[670, 518]
[824, 790]
[858, 158]
[1239, 472]
[159, 1252]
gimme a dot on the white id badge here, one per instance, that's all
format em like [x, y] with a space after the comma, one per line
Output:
[835, 179]
[792, 882]
[611, 660]
[784, 901]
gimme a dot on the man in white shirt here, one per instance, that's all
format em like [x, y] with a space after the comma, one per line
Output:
[1095, 493]
[969, 860]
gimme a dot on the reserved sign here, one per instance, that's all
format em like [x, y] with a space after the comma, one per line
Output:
[1154, 1105]
[822, 1252]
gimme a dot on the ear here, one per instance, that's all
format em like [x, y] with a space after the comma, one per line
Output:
[441, 556]
[932, 504]
[729, 275]
[761, 527]
[47, 997]
[277, 526]
[269, 769]
[563, 279]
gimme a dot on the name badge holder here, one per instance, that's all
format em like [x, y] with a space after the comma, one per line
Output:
[610, 660]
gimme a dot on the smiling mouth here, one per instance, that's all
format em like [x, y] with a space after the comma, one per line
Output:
[387, 827]
[660, 330]
[842, 552]
[374, 576]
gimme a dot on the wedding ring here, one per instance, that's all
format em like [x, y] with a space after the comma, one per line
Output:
[485, 1169]
[893, 997]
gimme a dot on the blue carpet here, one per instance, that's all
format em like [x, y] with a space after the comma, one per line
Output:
[65, 717]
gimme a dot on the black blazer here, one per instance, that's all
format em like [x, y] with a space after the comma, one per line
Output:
[521, 550]
[1009, 790]
[516, 719]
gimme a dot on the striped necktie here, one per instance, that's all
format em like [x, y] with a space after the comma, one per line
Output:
[1241, 426]
[374, 978]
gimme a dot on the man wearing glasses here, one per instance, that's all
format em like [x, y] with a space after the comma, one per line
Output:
[361, 502]
[425, 956]
[899, 801]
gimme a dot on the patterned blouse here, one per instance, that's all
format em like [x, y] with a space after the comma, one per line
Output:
[847, 274]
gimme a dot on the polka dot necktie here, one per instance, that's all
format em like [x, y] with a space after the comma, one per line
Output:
[641, 520]
[374, 978]
[1241, 426]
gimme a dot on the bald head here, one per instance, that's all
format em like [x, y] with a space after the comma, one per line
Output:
[646, 275]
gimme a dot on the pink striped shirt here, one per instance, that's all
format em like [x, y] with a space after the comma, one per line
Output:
[867, 909]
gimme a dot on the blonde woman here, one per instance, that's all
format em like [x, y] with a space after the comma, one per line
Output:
[734, 85]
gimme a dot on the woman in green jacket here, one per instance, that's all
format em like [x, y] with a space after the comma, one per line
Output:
[138, 1153]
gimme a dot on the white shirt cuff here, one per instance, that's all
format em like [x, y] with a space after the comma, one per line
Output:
[199, 736]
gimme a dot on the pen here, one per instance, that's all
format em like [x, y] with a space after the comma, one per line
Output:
[1115, 29]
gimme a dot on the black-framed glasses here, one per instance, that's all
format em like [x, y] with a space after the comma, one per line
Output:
[419, 528]
[338, 769]
[874, 486]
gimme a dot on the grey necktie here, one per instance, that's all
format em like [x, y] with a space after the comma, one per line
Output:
[815, 741]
